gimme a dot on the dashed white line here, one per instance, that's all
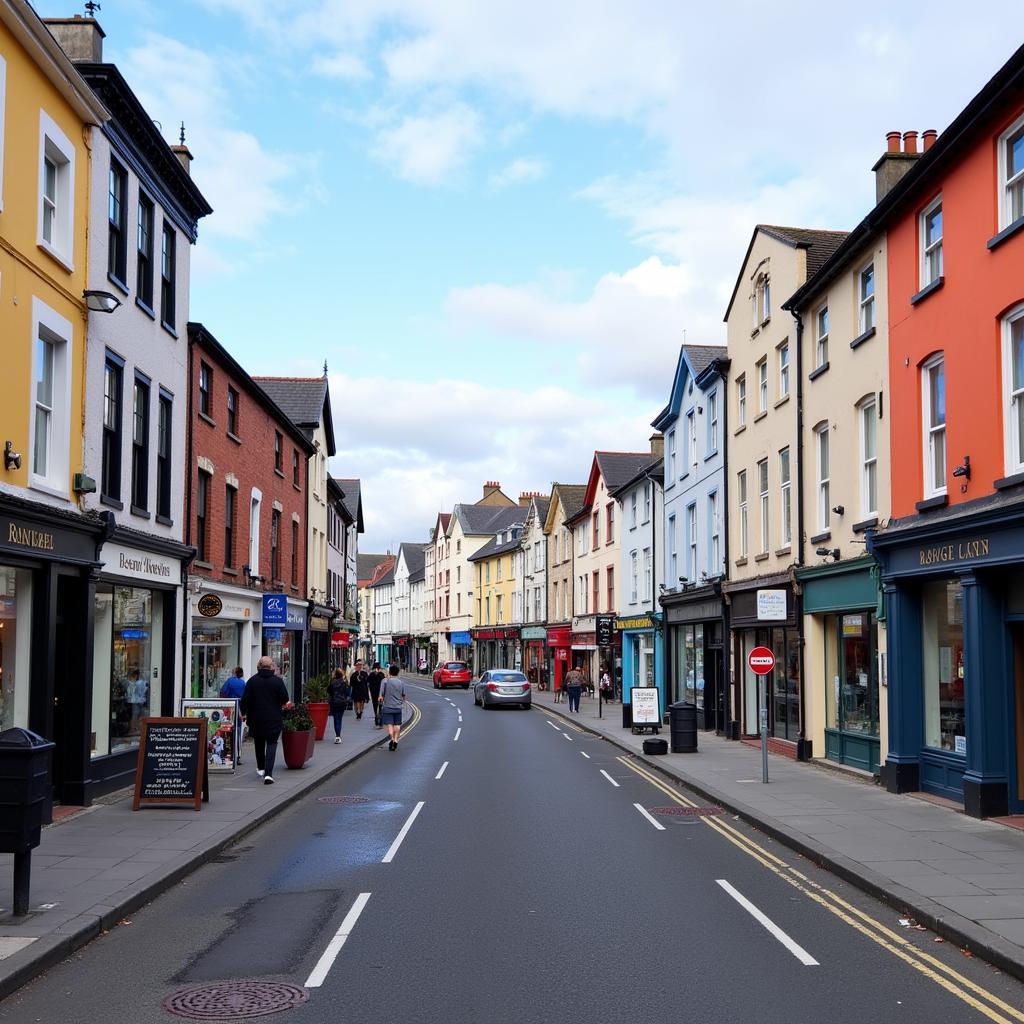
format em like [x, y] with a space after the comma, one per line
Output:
[458, 733]
[585, 754]
[441, 772]
[567, 736]
[609, 778]
[460, 716]
[324, 964]
[390, 855]
[553, 726]
[797, 950]
[650, 817]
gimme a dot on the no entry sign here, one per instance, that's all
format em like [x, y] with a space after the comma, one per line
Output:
[761, 660]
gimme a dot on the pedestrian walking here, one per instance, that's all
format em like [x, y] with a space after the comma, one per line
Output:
[392, 702]
[338, 693]
[233, 688]
[574, 682]
[606, 684]
[376, 679]
[264, 699]
[559, 690]
[360, 681]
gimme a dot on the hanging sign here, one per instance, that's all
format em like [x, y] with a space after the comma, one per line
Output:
[771, 605]
[172, 762]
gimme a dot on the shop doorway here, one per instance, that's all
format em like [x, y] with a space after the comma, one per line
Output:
[851, 704]
[1017, 798]
[68, 699]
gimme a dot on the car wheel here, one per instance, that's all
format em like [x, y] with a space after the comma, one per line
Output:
[526, 707]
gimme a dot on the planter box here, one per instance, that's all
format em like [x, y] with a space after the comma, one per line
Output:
[320, 713]
[297, 747]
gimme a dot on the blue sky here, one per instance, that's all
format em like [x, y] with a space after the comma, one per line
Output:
[494, 220]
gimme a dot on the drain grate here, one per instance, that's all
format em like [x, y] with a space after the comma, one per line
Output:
[689, 812]
[344, 799]
[234, 1000]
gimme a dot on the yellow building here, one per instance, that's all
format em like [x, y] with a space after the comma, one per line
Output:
[497, 588]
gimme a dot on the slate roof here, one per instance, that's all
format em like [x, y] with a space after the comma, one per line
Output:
[492, 547]
[701, 357]
[483, 519]
[543, 504]
[654, 470]
[619, 467]
[572, 497]
[303, 400]
[352, 499]
[415, 557]
[366, 563]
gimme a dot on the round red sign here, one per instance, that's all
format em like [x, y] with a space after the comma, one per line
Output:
[761, 660]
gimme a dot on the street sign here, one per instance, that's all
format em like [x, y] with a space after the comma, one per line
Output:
[761, 660]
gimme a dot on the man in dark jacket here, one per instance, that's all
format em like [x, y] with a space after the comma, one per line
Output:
[264, 699]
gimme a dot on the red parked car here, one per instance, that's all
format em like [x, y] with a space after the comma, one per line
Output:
[452, 673]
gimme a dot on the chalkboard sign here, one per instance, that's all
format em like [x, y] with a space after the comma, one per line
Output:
[172, 762]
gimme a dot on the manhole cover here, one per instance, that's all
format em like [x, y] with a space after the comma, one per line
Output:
[688, 812]
[344, 799]
[234, 1000]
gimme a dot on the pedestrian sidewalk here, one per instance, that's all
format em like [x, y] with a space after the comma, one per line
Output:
[95, 867]
[959, 876]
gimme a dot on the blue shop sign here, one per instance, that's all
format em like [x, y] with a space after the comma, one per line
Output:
[296, 617]
[275, 610]
[272, 634]
[462, 639]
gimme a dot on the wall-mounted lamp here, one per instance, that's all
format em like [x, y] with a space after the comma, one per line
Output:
[839, 509]
[99, 301]
[12, 459]
[826, 552]
[964, 469]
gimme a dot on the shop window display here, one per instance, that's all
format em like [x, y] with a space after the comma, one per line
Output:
[942, 634]
[214, 655]
[851, 696]
[15, 639]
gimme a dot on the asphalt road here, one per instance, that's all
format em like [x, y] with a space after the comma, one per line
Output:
[501, 866]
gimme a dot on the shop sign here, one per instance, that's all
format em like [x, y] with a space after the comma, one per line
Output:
[139, 564]
[583, 623]
[210, 605]
[275, 610]
[24, 537]
[644, 702]
[771, 605]
[461, 638]
[959, 744]
[320, 623]
[605, 630]
[339, 640]
[560, 636]
[295, 617]
[635, 622]
[562, 654]
[853, 625]
[958, 551]
[533, 633]
[172, 763]
[220, 715]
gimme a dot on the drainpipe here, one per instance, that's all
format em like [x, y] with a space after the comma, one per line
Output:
[803, 746]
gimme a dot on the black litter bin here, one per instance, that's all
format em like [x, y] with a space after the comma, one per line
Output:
[683, 727]
[24, 788]
[627, 716]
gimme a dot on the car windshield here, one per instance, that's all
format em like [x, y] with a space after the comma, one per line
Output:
[508, 677]
[456, 666]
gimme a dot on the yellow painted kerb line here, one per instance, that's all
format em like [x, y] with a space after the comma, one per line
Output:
[931, 967]
[415, 720]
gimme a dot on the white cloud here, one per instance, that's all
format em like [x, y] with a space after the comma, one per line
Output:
[345, 66]
[519, 172]
[426, 148]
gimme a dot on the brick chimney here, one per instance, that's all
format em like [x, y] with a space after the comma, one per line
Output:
[657, 446]
[896, 160]
[490, 486]
[80, 38]
[184, 155]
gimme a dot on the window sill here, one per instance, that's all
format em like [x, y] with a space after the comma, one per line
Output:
[763, 557]
[234, 437]
[105, 499]
[710, 455]
[229, 572]
[1008, 232]
[782, 552]
[278, 472]
[1004, 482]
[164, 520]
[861, 338]
[208, 566]
[781, 402]
[146, 308]
[740, 561]
[207, 419]
[928, 289]
[297, 487]
[939, 501]
[815, 374]
[142, 513]
[739, 430]
[865, 524]
[117, 283]
[754, 333]
[56, 256]
[40, 484]
[819, 538]
[760, 416]
[169, 328]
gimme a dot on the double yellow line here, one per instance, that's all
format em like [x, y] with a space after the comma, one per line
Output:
[994, 1008]
[414, 721]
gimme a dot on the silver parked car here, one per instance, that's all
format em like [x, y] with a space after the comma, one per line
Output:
[502, 686]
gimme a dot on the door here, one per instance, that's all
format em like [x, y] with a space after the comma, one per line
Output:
[1017, 799]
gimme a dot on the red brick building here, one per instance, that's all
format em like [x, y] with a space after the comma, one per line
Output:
[246, 493]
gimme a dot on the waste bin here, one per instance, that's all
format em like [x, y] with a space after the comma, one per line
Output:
[627, 716]
[24, 788]
[683, 727]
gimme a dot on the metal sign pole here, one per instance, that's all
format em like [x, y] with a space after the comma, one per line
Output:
[762, 685]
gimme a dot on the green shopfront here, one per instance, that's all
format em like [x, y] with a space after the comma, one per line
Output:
[844, 658]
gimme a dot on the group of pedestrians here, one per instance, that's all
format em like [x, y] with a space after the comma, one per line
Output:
[385, 694]
[576, 681]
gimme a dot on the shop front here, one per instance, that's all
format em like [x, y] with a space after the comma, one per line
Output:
[765, 613]
[844, 637]
[384, 649]
[136, 615]
[535, 657]
[559, 640]
[461, 642]
[403, 649]
[954, 592]
[283, 638]
[421, 645]
[48, 561]
[321, 619]
[225, 633]
[495, 648]
[584, 648]
[342, 644]
[642, 656]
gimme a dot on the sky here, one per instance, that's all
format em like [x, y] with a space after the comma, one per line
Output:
[498, 221]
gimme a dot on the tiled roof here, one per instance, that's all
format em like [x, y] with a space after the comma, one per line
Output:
[572, 497]
[492, 547]
[300, 398]
[415, 556]
[654, 469]
[483, 519]
[619, 467]
[386, 578]
[819, 243]
[702, 356]
[366, 563]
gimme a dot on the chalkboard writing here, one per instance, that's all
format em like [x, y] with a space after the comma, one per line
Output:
[172, 762]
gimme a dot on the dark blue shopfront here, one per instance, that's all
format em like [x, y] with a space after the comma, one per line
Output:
[954, 594]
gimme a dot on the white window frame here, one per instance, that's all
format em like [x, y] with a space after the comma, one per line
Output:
[673, 554]
[926, 250]
[671, 474]
[648, 580]
[783, 351]
[633, 572]
[647, 501]
[822, 474]
[712, 421]
[821, 336]
[785, 498]
[714, 549]
[741, 494]
[1006, 217]
[55, 146]
[866, 303]
[691, 440]
[48, 325]
[741, 400]
[1012, 399]
[763, 478]
[762, 386]
[632, 509]
[691, 540]
[868, 411]
[932, 488]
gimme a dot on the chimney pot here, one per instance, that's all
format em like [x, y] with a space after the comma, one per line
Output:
[657, 446]
[928, 139]
[892, 141]
[910, 142]
[80, 38]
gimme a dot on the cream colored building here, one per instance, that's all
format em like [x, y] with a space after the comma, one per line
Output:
[845, 494]
[566, 503]
[763, 514]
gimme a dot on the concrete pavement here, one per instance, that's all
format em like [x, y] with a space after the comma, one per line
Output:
[960, 877]
[95, 867]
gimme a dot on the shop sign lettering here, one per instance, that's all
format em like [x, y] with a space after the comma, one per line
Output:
[961, 551]
[144, 565]
[26, 538]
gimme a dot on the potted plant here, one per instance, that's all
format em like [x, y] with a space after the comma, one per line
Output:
[298, 736]
[316, 698]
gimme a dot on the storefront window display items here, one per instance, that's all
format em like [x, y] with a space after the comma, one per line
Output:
[15, 641]
[214, 655]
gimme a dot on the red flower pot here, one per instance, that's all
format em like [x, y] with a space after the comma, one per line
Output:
[320, 713]
[297, 747]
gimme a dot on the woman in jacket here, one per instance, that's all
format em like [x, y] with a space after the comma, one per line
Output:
[338, 693]
[360, 680]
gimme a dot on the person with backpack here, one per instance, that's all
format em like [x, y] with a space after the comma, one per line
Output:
[392, 701]
[338, 693]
